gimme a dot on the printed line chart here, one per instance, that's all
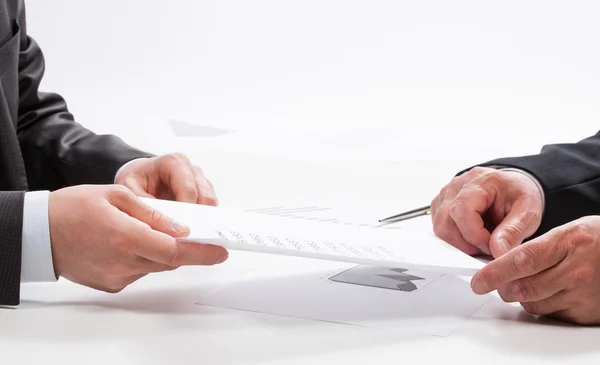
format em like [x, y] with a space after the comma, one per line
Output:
[322, 215]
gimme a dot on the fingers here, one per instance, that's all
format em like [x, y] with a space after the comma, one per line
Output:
[187, 182]
[161, 248]
[467, 210]
[206, 192]
[537, 287]
[443, 225]
[519, 224]
[456, 221]
[176, 172]
[479, 200]
[158, 244]
[128, 203]
[526, 260]
[551, 305]
[445, 228]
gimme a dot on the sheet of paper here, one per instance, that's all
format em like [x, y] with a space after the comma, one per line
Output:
[391, 298]
[183, 128]
[411, 245]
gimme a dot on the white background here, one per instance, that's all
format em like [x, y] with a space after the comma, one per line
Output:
[466, 79]
[458, 82]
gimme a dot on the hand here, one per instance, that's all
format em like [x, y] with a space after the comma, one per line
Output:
[557, 274]
[105, 237]
[169, 177]
[487, 211]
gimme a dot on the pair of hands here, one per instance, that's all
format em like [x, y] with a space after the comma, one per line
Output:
[105, 237]
[493, 211]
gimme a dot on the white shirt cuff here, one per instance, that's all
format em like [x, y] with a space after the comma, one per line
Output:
[537, 183]
[124, 166]
[36, 248]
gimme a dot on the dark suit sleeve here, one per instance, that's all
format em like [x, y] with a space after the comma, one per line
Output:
[56, 150]
[570, 176]
[11, 223]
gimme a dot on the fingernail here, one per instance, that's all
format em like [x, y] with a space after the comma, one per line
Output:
[221, 259]
[178, 227]
[479, 286]
[503, 245]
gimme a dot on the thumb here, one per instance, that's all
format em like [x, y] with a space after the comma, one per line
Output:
[518, 224]
[158, 221]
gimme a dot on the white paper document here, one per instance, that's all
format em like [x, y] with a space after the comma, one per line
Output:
[411, 245]
[391, 298]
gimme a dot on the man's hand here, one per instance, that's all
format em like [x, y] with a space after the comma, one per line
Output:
[487, 211]
[168, 177]
[105, 237]
[557, 274]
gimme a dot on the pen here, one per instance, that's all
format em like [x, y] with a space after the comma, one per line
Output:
[407, 215]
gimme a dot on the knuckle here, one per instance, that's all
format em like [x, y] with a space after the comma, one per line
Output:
[513, 231]
[523, 290]
[533, 216]
[485, 194]
[172, 258]
[457, 209]
[525, 260]
[477, 170]
[170, 159]
[494, 178]
[585, 275]
[189, 190]
[440, 226]
[531, 307]
[120, 191]
[180, 157]
[156, 215]
[455, 181]
[581, 233]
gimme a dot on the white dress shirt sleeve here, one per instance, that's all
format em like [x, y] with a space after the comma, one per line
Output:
[36, 251]
[36, 248]
[536, 182]
[124, 166]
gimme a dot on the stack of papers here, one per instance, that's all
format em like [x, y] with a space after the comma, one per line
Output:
[410, 245]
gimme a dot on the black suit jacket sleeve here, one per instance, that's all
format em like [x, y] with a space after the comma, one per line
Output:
[570, 176]
[11, 220]
[57, 151]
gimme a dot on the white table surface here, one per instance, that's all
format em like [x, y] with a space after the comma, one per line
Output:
[486, 80]
[155, 320]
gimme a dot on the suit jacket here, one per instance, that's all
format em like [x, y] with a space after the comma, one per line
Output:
[41, 147]
[570, 176]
